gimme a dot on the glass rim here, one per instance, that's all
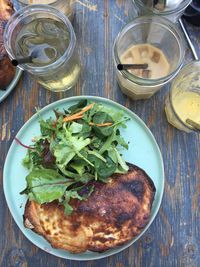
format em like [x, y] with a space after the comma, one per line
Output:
[185, 67]
[36, 9]
[179, 8]
[25, 2]
[164, 23]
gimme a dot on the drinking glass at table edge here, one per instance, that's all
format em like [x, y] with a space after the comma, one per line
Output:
[45, 38]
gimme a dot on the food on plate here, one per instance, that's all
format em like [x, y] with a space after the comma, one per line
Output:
[7, 70]
[78, 145]
[82, 195]
[113, 214]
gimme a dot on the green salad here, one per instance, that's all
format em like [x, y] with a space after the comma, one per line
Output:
[78, 146]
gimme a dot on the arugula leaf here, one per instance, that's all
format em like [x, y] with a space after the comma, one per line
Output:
[68, 209]
[106, 170]
[86, 177]
[101, 132]
[46, 127]
[32, 159]
[78, 167]
[114, 137]
[96, 161]
[86, 191]
[68, 147]
[86, 130]
[121, 161]
[75, 127]
[120, 140]
[68, 195]
[107, 144]
[85, 159]
[70, 174]
[72, 194]
[63, 155]
[112, 154]
[96, 143]
[27, 161]
[96, 154]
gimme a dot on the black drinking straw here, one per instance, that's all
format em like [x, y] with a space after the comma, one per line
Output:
[23, 60]
[132, 66]
[18, 61]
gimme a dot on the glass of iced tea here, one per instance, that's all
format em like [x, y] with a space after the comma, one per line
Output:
[182, 105]
[47, 36]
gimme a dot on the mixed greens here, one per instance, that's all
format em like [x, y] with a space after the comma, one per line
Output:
[80, 145]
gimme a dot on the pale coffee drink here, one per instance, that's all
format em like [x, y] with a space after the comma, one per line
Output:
[158, 65]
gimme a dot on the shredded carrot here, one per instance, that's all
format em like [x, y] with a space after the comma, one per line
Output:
[101, 124]
[85, 109]
[78, 115]
[72, 118]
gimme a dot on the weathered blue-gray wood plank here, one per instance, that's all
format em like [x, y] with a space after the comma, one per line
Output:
[174, 237]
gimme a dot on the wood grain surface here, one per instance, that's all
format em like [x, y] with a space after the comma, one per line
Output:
[174, 237]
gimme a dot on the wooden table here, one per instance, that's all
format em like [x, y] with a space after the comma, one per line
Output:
[174, 237]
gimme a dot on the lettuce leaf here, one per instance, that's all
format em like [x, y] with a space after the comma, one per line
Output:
[45, 185]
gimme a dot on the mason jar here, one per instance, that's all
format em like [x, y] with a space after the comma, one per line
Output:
[182, 105]
[40, 23]
[173, 10]
[64, 6]
[162, 34]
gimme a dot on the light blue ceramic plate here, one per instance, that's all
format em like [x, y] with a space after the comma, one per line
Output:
[143, 151]
[11, 86]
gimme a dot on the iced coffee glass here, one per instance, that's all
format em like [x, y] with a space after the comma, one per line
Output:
[153, 40]
[46, 36]
[182, 105]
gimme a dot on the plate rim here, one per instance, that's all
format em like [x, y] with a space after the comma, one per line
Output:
[12, 84]
[101, 99]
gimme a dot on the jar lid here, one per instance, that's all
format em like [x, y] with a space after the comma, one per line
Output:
[163, 5]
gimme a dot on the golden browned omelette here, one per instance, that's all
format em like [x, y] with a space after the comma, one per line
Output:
[113, 214]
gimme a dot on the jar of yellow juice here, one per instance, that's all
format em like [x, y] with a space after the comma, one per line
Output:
[182, 105]
[44, 36]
